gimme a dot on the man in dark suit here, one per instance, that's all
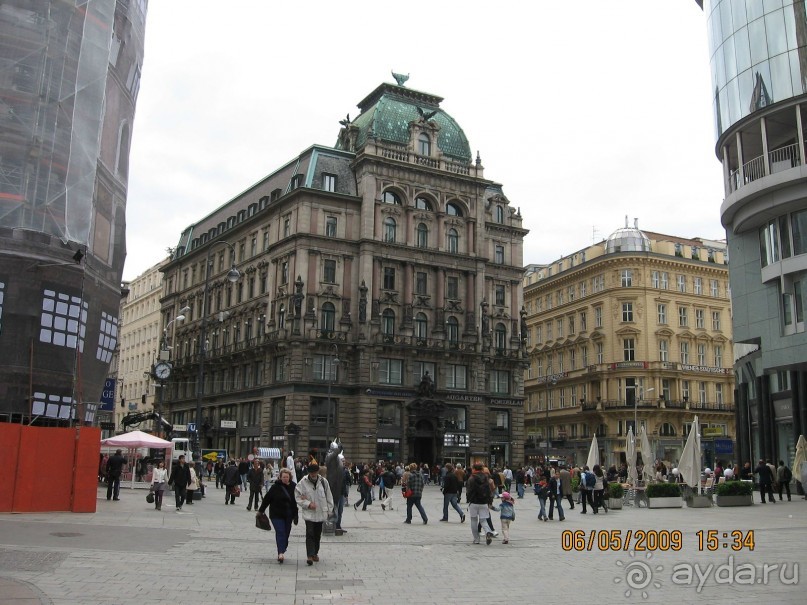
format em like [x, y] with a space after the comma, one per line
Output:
[765, 481]
[114, 470]
[180, 479]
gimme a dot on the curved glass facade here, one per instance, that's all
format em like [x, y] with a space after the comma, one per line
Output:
[757, 54]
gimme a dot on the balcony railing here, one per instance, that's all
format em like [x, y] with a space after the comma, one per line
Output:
[783, 158]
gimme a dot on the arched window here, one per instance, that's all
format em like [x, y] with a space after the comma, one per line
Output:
[390, 197]
[667, 430]
[422, 235]
[453, 210]
[421, 203]
[389, 229]
[388, 322]
[421, 325]
[453, 330]
[500, 335]
[281, 317]
[424, 144]
[327, 317]
[499, 214]
[453, 241]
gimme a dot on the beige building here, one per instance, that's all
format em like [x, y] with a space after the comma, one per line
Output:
[360, 269]
[140, 336]
[636, 328]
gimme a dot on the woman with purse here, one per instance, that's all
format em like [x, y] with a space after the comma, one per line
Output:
[279, 499]
[192, 486]
[158, 478]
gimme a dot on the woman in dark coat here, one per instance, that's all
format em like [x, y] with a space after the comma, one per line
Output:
[279, 499]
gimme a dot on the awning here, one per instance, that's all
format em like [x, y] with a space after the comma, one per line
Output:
[269, 452]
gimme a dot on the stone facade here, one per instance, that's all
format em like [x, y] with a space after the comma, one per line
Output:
[637, 327]
[360, 269]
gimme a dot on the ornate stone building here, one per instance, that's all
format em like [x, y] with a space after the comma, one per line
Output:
[636, 328]
[360, 269]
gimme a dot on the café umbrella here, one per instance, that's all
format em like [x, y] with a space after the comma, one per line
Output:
[593, 454]
[647, 455]
[690, 464]
[630, 455]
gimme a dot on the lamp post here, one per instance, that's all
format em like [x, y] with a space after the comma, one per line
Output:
[180, 317]
[164, 361]
[551, 380]
[233, 276]
[334, 361]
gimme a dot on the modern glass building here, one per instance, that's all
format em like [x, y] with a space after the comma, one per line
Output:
[758, 58]
[69, 78]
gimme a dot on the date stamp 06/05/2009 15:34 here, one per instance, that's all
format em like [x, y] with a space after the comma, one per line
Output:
[616, 540]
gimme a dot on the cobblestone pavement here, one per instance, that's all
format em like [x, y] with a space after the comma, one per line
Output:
[209, 553]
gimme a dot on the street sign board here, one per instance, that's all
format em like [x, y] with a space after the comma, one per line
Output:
[108, 395]
[191, 427]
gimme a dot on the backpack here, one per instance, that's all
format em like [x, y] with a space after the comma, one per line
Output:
[591, 480]
[480, 489]
[787, 475]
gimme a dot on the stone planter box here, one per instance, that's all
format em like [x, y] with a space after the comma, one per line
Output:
[669, 502]
[615, 503]
[735, 500]
[699, 502]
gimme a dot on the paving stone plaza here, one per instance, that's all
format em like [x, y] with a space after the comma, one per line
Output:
[209, 553]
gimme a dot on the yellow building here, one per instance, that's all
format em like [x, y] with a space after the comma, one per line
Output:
[636, 328]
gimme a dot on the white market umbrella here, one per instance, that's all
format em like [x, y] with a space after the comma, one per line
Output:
[799, 466]
[690, 464]
[647, 456]
[630, 455]
[593, 454]
[133, 440]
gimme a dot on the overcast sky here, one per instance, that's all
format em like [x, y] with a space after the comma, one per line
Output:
[584, 111]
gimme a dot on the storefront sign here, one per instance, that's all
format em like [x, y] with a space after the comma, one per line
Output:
[512, 402]
[724, 446]
[466, 398]
[390, 393]
[228, 424]
[712, 431]
[623, 365]
[707, 369]
[783, 409]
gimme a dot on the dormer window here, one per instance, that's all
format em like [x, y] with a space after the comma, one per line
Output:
[499, 215]
[424, 144]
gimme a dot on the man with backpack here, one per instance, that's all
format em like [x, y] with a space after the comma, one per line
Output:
[783, 477]
[587, 482]
[388, 480]
[479, 493]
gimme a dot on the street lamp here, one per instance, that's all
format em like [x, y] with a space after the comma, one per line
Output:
[233, 276]
[180, 317]
[550, 380]
[334, 361]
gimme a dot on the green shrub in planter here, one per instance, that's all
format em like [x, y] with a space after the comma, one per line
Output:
[575, 484]
[615, 491]
[735, 488]
[663, 490]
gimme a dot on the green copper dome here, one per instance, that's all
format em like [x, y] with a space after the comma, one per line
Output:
[387, 112]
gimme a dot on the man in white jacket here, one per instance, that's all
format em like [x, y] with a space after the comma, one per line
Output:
[314, 498]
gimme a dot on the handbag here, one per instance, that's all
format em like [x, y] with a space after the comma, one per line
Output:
[150, 497]
[408, 493]
[237, 491]
[262, 522]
